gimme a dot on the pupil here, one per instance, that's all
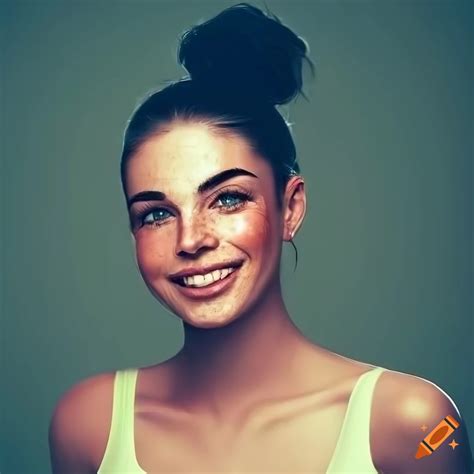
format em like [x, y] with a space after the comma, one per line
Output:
[229, 200]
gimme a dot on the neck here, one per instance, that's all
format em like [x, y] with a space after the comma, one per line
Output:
[250, 359]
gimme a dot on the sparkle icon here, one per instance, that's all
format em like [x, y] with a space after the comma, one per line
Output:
[453, 444]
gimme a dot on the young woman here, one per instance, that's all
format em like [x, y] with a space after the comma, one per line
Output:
[213, 189]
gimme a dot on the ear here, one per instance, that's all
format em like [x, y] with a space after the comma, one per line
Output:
[294, 207]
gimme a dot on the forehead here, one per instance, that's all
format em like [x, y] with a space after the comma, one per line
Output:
[186, 156]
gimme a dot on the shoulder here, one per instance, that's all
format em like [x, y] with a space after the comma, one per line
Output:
[79, 425]
[405, 409]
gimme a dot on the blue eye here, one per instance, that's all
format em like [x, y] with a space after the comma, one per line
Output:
[233, 199]
[155, 212]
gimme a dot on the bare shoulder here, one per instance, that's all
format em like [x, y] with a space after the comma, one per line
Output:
[405, 409]
[79, 425]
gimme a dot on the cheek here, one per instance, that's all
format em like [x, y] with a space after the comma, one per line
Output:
[152, 253]
[251, 229]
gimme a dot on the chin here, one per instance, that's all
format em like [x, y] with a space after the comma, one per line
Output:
[209, 322]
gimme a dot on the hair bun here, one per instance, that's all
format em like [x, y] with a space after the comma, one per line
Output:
[243, 50]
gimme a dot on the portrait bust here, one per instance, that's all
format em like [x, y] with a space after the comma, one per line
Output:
[213, 190]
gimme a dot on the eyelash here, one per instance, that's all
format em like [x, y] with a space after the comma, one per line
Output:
[244, 196]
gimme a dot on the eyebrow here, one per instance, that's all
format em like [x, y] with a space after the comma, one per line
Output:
[208, 184]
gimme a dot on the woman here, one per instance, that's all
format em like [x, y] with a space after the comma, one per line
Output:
[212, 186]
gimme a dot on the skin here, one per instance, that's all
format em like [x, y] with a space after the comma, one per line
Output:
[247, 391]
[223, 335]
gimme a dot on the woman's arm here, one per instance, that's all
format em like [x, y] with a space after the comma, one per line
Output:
[77, 428]
[412, 407]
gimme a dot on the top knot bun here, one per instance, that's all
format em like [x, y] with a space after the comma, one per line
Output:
[243, 50]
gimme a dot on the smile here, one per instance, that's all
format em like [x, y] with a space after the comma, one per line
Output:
[208, 285]
[200, 281]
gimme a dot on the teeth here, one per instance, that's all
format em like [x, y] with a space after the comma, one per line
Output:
[205, 280]
[225, 272]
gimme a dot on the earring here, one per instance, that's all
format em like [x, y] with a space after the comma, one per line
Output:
[291, 235]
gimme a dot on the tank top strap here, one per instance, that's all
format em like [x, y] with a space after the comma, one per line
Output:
[127, 384]
[120, 449]
[352, 452]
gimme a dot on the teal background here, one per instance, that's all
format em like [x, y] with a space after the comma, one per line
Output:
[385, 144]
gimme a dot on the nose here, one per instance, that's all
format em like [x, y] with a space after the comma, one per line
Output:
[195, 234]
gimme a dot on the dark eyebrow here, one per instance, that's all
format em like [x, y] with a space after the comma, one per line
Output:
[210, 183]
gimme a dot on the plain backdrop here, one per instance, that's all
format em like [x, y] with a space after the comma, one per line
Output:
[385, 145]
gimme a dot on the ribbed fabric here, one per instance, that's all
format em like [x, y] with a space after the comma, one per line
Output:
[351, 455]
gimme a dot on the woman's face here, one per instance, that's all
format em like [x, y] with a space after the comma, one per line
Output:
[233, 220]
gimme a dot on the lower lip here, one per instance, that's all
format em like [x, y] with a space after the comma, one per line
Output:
[211, 290]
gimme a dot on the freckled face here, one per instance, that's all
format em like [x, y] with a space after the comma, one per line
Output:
[191, 229]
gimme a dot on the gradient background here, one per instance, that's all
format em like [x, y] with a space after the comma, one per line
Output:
[385, 144]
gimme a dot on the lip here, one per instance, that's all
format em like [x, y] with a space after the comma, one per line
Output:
[188, 271]
[212, 290]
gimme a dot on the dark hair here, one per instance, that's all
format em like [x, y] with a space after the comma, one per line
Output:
[241, 63]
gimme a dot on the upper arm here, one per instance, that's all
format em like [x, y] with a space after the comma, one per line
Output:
[412, 403]
[74, 430]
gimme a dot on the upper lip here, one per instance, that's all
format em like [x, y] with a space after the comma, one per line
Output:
[188, 271]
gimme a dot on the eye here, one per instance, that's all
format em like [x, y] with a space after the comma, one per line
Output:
[233, 199]
[158, 212]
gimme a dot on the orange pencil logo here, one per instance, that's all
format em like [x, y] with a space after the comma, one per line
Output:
[436, 437]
